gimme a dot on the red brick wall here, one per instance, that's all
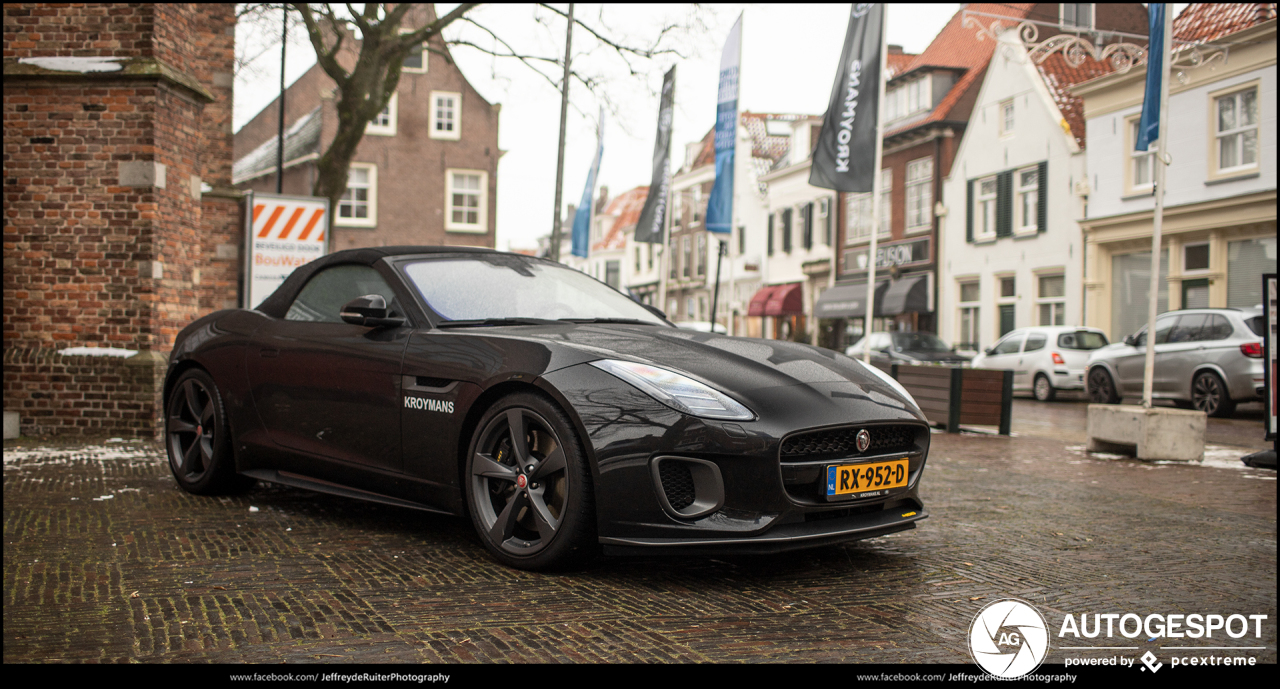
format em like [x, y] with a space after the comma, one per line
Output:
[79, 245]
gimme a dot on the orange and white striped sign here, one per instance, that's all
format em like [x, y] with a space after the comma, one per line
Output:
[284, 232]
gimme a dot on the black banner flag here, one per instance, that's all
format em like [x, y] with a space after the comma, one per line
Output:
[844, 157]
[654, 213]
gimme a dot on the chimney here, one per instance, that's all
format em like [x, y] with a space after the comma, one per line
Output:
[602, 202]
[895, 49]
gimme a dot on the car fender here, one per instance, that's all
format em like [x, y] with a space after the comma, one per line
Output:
[1207, 366]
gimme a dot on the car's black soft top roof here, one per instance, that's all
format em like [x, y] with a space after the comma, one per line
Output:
[278, 303]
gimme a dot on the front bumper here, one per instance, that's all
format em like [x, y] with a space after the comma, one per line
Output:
[766, 504]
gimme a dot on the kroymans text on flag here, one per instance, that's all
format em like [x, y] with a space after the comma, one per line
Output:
[582, 220]
[654, 213]
[1149, 125]
[720, 204]
[844, 157]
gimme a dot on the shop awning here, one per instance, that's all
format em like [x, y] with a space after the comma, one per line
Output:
[760, 299]
[904, 295]
[849, 301]
[786, 300]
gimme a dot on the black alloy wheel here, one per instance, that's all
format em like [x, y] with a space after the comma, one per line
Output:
[1102, 388]
[197, 438]
[528, 487]
[1043, 389]
[1209, 395]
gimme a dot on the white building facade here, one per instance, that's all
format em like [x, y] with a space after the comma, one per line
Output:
[1219, 228]
[1012, 251]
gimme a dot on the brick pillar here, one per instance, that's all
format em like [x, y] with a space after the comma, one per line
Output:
[104, 231]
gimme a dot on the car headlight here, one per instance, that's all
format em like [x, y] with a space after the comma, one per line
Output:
[888, 379]
[677, 391]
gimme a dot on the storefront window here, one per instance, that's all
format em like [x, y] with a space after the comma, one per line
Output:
[1247, 260]
[1130, 285]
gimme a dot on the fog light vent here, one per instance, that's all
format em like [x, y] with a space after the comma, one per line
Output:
[677, 483]
[687, 488]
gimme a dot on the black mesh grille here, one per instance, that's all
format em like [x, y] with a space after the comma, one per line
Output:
[677, 483]
[843, 442]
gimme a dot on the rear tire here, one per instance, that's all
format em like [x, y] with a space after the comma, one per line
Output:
[528, 487]
[198, 438]
[1043, 389]
[1210, 395]
[1102, 387]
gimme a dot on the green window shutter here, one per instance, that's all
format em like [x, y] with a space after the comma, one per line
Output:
[1004, 204]
[1042, 203]
[770, 249]
[968, 213]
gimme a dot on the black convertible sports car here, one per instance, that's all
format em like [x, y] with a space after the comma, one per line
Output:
[558, 414]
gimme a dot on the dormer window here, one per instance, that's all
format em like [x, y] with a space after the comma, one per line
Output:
[909, 98]
[1077, 14]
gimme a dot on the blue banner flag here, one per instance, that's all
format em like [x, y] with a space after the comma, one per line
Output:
[582, 220]
[1149, 125]
[720, 204]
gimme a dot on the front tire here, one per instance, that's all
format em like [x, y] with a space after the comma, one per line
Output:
[1210, 395]
[1043, 389]
[528, 486]
[1102, 388]
[198, 438]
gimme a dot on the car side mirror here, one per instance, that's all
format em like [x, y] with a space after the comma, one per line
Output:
[369, 311]
[1131, 340]
[989, 351]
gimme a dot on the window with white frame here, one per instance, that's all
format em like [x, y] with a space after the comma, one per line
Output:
[358, 205]
[1141, 173]
[1006, 117]
[919, 194]
[702, 254]
[1236, 130]
[699, 206]
[416, 60]
[1079, 14]
[673, 269]
[688, 256]
[984, 209]
[970, 304]
[1051, 299]
[1026, 214]
[824, 220]
[859, 210]
[384, 123]
[908, 98]
[445, 111]
[677, 208]
[637, 248]
[467, 200]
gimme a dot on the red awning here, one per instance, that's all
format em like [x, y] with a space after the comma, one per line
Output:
[761, 298]
[786, 300]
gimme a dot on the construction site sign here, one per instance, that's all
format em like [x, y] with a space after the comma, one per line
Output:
[281, 233]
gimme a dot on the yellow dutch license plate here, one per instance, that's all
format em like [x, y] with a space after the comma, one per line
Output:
[865, 480]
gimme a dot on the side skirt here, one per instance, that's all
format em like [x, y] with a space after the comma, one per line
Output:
[306, 483]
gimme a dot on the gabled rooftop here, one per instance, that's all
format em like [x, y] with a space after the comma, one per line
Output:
[1059, 76]
[1204, 22]
[625, 208]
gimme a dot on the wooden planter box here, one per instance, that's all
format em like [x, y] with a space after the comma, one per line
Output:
[951, 396]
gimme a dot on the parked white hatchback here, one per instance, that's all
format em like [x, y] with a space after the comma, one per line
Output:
[1044, 359]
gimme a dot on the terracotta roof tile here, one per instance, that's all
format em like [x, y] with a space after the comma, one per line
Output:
[626, 209]
[1059, 76]
[961, 47]
[899, 62]
[1208, 21]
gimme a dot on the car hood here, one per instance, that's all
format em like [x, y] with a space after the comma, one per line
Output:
[743, 367]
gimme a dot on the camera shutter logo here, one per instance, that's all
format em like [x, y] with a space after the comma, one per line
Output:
[1008, 638]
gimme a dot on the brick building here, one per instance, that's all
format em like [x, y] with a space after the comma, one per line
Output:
[928, 103]
[426, 172]
[120, 221]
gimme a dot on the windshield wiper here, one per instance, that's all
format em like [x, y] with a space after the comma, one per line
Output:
[628, 321]
[482, 322]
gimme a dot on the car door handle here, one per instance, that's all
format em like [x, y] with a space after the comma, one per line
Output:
[269, 353]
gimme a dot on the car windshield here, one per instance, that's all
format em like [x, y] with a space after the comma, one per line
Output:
[1082, 339]
[503, 286]
[919, 342]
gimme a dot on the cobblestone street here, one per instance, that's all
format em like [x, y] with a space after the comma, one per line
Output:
[105, 559]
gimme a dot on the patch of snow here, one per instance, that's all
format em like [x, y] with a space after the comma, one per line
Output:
[82, 65]
[97, 351]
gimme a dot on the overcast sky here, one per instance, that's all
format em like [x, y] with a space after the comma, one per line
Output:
[789, 55]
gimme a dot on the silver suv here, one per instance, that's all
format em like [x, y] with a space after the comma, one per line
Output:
[1207, 359]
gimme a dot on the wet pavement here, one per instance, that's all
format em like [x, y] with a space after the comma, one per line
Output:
[106, 560]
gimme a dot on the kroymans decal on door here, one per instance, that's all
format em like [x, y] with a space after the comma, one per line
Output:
[426, 404]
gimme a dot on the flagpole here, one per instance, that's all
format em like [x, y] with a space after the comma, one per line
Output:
[1148, 372]
[875, 188]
